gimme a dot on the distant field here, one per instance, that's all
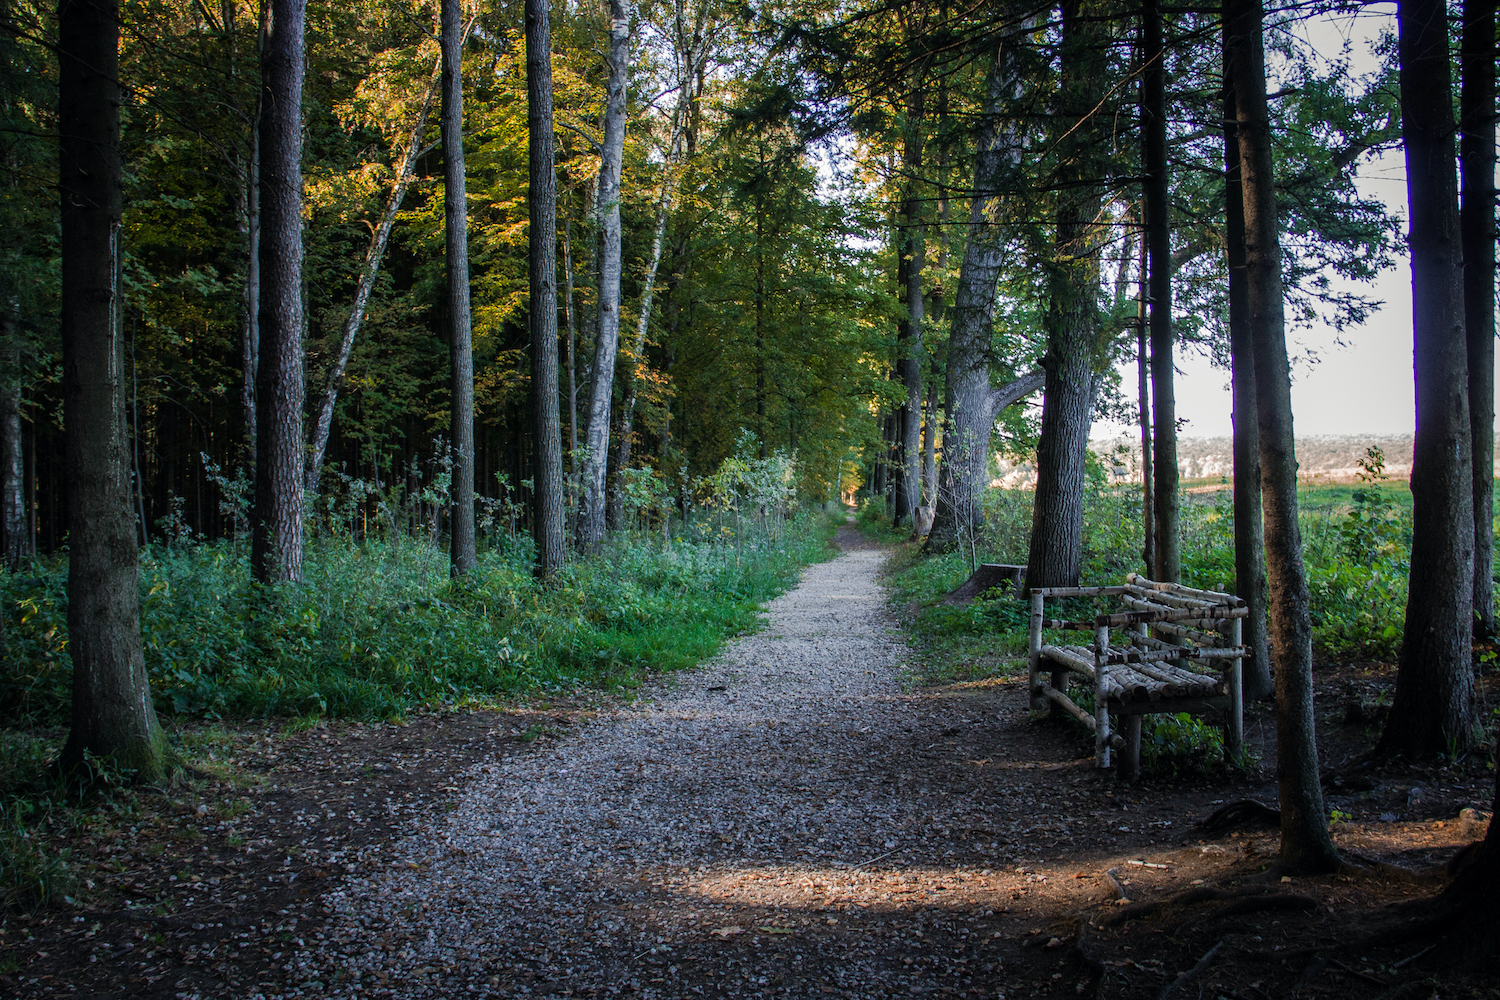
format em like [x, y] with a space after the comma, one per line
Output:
[1325, 458]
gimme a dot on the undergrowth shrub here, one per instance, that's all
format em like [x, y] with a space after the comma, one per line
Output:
[378, 628]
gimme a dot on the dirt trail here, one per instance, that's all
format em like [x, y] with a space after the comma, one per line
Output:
[795, 819]
[787, 821]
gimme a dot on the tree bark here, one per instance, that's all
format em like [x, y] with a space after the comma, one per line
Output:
[1143, 402]
[909, 352]
[112, 711]
[607, 343]
[572, 341]
[462, 555]
[1072, 321]
[1249, 530]
[1305, 842]
[929, 442]
[970, 401]
[276, 539]
[692, 52]
[371, 270]
[1158, 218]
[547, 513]
[250, 305]
[1433, 709]
[14, 538]
[1476, 153]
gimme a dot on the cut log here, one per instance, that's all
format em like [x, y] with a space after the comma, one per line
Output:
[989, 576]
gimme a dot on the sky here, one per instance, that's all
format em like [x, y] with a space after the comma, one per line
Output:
[1364, 386]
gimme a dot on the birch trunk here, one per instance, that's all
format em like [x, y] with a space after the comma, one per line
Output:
[607, 340]
[367, 275]
[14, 538]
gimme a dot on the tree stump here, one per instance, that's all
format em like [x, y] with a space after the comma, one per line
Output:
[989, 576]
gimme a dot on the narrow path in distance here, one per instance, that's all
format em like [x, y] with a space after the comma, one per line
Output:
[787, 821]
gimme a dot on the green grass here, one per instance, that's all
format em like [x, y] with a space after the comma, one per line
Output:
[377, 629]
[1356, 540]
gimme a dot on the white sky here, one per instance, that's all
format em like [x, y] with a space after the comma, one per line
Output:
[1364, 387]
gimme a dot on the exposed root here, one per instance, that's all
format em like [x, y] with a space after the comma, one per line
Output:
[1240, 813]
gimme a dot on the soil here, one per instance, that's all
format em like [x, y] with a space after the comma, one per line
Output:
[821, 829]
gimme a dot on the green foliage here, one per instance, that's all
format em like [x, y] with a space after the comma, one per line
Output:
[378, 628]
[1180, 744]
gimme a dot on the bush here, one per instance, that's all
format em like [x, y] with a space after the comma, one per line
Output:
[378, 628]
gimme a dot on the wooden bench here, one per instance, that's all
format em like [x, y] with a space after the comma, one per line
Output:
[1175, 649]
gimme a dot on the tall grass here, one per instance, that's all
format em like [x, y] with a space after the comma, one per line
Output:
[1356, 541]
[378, 628]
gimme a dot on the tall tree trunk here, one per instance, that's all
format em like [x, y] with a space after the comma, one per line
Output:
[1433, 711]
[462, 556]
[250, 303]
[1072, 321]
[607, 341]
[572, 341]
[970, 401]
[909, 352]
[276, 539]
[929, 440]
[1476, 152]
[14, 538]
[1143, 404]
[368, 273]
[1249, 531]
[692, 50]
[547, 513]
[1168, 565]
[112, 712]
[1305, 842]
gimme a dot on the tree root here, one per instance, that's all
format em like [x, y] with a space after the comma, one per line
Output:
[1183, 978]
[1240, 813]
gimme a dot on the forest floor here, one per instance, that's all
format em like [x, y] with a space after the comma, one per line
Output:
[796, 819]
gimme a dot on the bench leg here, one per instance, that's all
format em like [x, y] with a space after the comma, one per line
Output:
[1130, 768]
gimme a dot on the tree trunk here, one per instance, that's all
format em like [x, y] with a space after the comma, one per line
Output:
[371, 270]
[607, 342]
[929, 442]
[572, 342]
[1305, 842]
[909, 352]
[1158, 217]
[1072, 321]
[691, 53]
[250, 305]
[1433, 711]
[462, 556]
[1477, 226]
[547, 514]
[1249, 531]
[14, 538]
[276, 539]
[1143, 403]
[970, 402]
[112, 712]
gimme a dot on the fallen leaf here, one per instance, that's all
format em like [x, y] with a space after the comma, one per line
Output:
[725, 933]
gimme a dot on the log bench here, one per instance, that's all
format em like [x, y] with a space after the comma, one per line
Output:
[1173, 649]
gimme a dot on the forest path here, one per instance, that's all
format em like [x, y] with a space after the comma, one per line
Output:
[786, 821]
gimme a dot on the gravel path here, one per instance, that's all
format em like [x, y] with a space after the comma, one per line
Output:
[767, 825]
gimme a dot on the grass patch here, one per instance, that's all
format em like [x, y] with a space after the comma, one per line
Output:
[378, 629]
